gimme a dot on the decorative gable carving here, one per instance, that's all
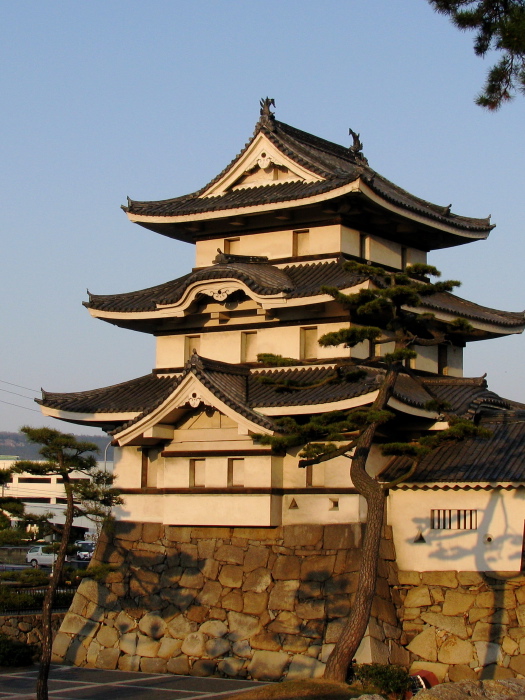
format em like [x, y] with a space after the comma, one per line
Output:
[262, 164]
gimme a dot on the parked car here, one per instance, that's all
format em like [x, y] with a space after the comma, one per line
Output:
[85, 550]
[37, 557]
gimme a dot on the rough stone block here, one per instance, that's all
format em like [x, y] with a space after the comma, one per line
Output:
[203, 668]
[129, 663]
[171, 576]
[177, 534]
[333, 630]
[387, 550]
[294, 643]
[128, 643]
[182, 598]
[399, 656]
[268, 665]
[517, 664]
[283, 595]
[147, 646]
[127, 531]
[457, 603]
[353, 560]
[76, 653]
[230, 554]
[384, 610]
[255, 558]
[233, 601]
[144, 582]
[230, 666]
[469, 578]
[305, 667]
[477, 614]
[206, 548]
[317, 568]
[302, 535]
[286, 623]
[311, 609]
[194, 644]
[191, 578]
[242, 626]
[509, 646]
[447, 579]
[456, 651]
[210, 594]
[217, 647]
[454, 625]
[124, 623]
[214, 628]
[409, 578]
[107, 659]
[153, 665]
[180, 666]
[152, 532]
[76, 625]
[243, 649]
[153, 625]
[209, 568]
[425, 645]
[418, 597]
[169, 648]
[488, 632]
[107, 636]
[487, 653]
[496, 673]
[231, 576]
[344, 584]
[266, 640]
[257, 580]
[344, 536]
[255, 603]
[460, 672]
[313, 629]
[286, 568]
[189, 555]
[197, 613]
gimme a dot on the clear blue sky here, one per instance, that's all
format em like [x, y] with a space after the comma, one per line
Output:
[151, 99]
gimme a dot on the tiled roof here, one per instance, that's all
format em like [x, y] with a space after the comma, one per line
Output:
[336, 164]
[501, 458]
[134, 395]
[294, 281]
[245, 390]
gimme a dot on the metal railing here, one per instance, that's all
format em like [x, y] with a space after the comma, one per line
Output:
[29, 600]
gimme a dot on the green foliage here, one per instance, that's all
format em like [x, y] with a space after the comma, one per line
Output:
[314, 449]
[12, 537]
[350, 337]
[423, 270]
[400, 355]
[461, 324]
[272, 360]
[14, 653]
[26, 577]
[392, 681]
[499, 26]
[406, 449]
[437, 406]
[97, 572]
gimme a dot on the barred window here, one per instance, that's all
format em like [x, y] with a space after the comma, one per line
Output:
[454, 519]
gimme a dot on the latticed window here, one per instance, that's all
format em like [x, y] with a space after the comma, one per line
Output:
[453, 519]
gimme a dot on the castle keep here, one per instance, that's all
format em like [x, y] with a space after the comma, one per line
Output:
[228, 557]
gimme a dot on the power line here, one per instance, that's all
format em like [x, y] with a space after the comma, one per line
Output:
[15, 404]
[30, 398]
[3, 381]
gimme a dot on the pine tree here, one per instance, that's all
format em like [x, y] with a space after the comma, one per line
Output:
[500, 26]
[390, 302]
[63, 455]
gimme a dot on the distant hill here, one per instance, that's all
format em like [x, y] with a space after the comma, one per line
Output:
[16, 445]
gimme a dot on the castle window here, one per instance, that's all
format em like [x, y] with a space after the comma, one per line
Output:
[442, 359]
[191, 343]
[249, 346]
[334, 504]
[235, 472]
[232, 246]
[301, 242]
[197, 472]
[364, 247]
[309, 345]
[453, 519]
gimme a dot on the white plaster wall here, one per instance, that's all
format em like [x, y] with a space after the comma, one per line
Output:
[427, 358]
[382, 251]
[247, 510]
[350, 241]
[317, 508]
[500, 515]
[258, 472]
[176, 472]
[272, 244]
[455, 361]
[128, 467]
[416, 256]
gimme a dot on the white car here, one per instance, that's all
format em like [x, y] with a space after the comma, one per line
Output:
[85, 550]
[37, 557]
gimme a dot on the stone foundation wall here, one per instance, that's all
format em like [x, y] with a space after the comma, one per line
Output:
[28, 628]
[263, 603]
[464, 625]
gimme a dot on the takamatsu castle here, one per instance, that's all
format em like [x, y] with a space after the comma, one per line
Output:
[230, 559]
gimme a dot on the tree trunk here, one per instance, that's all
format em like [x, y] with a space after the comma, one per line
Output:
[47, 606]
[351, 636]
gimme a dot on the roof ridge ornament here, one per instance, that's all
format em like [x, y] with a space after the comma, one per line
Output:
[356, 149]
[225, 258]
[267, 117]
